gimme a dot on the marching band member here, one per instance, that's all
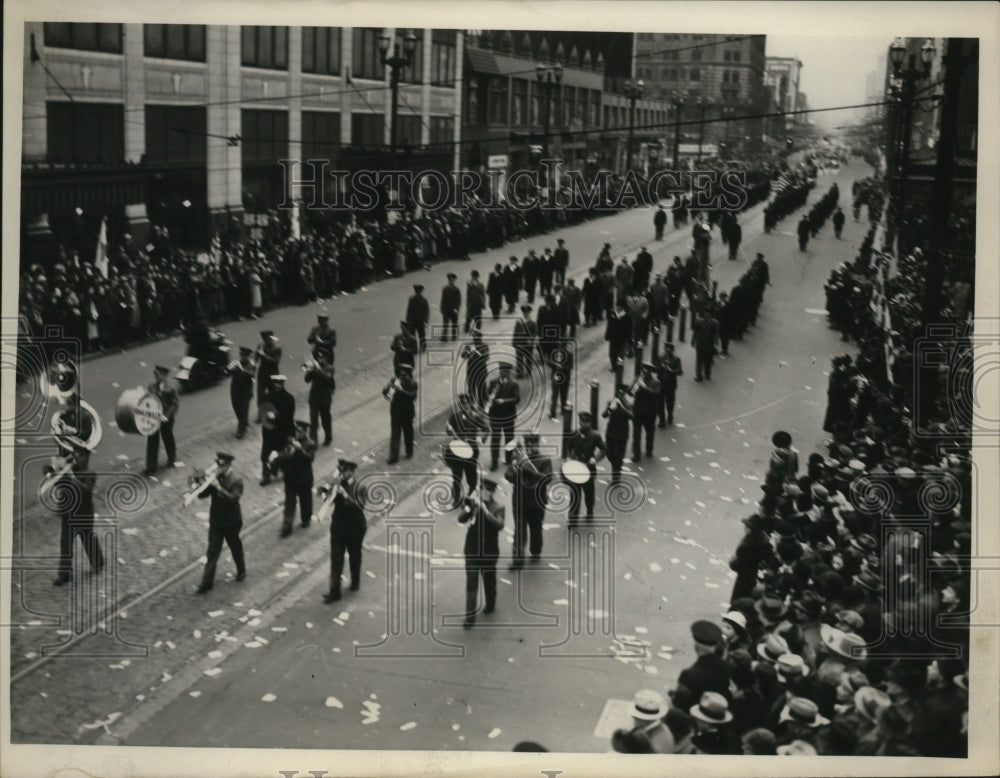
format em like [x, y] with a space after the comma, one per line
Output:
[322, 384]
[619, 415]
[347, 529]
[401, 392]
[76, 501]
[296, 463]
[404, 346]
[670, 370]
[322, 337]
[269, 354]
[530, 476]
[585, 445]
[501, 405]
[279, 424]
[170, 399]
[477, 356]
[241, 389]
[485, 518]
[525, 341]
[560, 361]
[647, 397]
[225, 519]
[77, 422]
[464, 424]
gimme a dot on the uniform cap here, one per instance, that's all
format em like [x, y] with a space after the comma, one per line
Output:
[224, 455]
[489, 484]
[781, 439]
[322, 315]
[452, 276]
[246, 350]
[346, 464]
[585, 416]
[707, 633]
[160, 369]
[418, 287]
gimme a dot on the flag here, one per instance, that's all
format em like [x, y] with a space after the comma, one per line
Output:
[216, 250]
[101, 258]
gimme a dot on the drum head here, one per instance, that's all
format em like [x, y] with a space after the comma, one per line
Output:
[147, 414]
[575, 472]
[460, 449]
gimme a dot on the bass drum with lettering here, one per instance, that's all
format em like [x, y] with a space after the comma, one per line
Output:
[139, 412]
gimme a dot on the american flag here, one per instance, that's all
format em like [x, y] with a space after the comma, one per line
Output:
[781, 183]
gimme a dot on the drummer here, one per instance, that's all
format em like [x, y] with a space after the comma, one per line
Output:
[587, 446]
[464, 425]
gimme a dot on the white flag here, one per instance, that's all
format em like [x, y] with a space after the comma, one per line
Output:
[101, 258]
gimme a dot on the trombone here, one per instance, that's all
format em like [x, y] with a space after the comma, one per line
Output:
[200, 481]
[329, 494]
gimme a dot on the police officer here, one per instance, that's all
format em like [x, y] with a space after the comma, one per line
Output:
[549, 324]
[401, 393]
[529, 268]
[618, 333]
[269, 354]
[171, 401]
[803, 231]
[647, 395]
[643, 267]
[495, 290]
[74, 495]
[511, 283]
[585, 445]
[451, 303]
[838, 222]
[225, 519]
[561, 257]
[404, 346]
[241, 389]
[503, 395]
[322, 337]
[475, 301]
[279, 424]
[735, 238]
[485, 518]
[727, 317]
[322, 384]
[619, 415]
[704, 334]
[546, 272]
[418, 313]
[348, 526]
[659, 221]
[296, 463]
[670, 370]
[525, 341]
[464, 423]
[530, 475]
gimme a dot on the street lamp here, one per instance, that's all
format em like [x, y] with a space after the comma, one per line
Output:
[632, 91]
[548, 79]
[678, 103]
[402, 57]
[701, 125]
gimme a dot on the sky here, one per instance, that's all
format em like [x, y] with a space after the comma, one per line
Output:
[834, 70]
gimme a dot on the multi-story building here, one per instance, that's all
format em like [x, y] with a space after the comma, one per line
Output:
[182, 125]
[782, 76]
[720, 79]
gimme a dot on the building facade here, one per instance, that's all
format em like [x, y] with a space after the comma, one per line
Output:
[783, 76]
[183, 125]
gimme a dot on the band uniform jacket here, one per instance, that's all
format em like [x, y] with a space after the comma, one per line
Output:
[646, 397]
[618, 418]
[418, 311]
[509, 391]
[482, 538]
[511, 281]
[525, 334]
[75, 494]
[477, 356]
[561, 256]
[225, 512]
[531, 485]
[169, 397]
[582, 447]
[403, 403]
[270, 358]
[348, 520]
[241, 382]
[467, 427]
[404, 348]
[549, 323]
[670, 370]
[709, 673]
[475, 298]
[494, 288]
[569, 305]
[284, 413]
[79, 419]
[297, 462]
[451, 300]
[321, 384]
[705, 333]
[324, 339]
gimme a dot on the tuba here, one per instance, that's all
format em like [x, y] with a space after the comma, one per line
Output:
[199, 481]
[69, 441]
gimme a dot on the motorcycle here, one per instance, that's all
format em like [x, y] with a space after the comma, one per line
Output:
[207, 358]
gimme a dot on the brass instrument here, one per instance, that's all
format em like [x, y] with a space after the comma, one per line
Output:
[329, 494]
[493, 396]
[391, 388]
[200, 481]
[310, 366]
[472, 502]
[518, 451]
[275, 457]
[50, 478]
[635, 385]
[68, 441]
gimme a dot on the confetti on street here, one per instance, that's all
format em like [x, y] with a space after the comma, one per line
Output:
[408, 726]
[213, 672]
[215, 614]
[195, 693]
[269, 697]
[654, 567]
[333, 702]
[214, 654]
[495, 732]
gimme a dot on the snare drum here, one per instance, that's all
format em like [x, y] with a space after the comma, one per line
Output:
[575, 472]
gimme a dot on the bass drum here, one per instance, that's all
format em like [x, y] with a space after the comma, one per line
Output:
[139, 412]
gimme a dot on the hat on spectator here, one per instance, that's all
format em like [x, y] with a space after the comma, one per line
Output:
[404, 325]
[868, 701]
[706, 633]
[850, 621]
[854, 680]
[712, 709]
[772, 647]
[322, 315]
[797, 748]
[770, 608]
[804, 711]
[869, 580]
[755, 521]
[678, 722]
[585, 416]
[278, 378]
[781, 439]
[907, 674]
[846, 644]
[737, 620]
[819, 492]
[962, 681]
[648, 705]
[790, 666]
[856, 465]
[809, 604]
[864, 543]
[489, 484]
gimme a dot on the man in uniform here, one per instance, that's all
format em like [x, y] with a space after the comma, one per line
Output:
[465, 424]
[241, 389]
[76, 515]
[76, 422]
[618, 333]
[279, 424]
[495, 290]
[530, 476]
[322, 337]
[561, 261]
[418, 313]
[525, 341]
[225, 519]
[503, 395]
[838, 222]
[404, 346]
[296, 463]
[347, 529]
[485, 519]
[727, 321]
[560, 372]
[319, 375]
[643, 267]
[659, 221]
[735, 238]
[171, 401]
[619, 415]
[402, 396]
[670, 370]
[530, 267]
[451, 303]
[710, 672]
[546, 272]
[569, 308]
[270, 357]
[644, 406]
[511, 283]
[475, 301]
[549, 326]
[585, 445]
[704, 334]
[803, 232]
[477, 357]
[592, 289]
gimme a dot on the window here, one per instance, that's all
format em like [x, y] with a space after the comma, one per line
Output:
[595, 103]
[518, 105]
[409, 129]
[476, 100]
[553, 98]
[442, 129]
[736, 56]
[414, 72]
[696, 55]
[265, 47]
[536, 104]
[88, 37]
[176, 134]
[498, 102]
[321, 50]
[569, 97]
[265, 136]
[320, 135]
[694, 74]
[443, 47]
[734, 77]
[174, 41]
[86, 132]
[673, 74]
[367, 129]
[727, 55]
[366, 59]
[581, 105]
[607, 116]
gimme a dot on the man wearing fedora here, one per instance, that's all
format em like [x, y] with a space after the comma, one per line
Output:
[418, 313]
[710, 672]
[170, 399]
[485, 519]
[647, 712]
[451, 304]
[799, 719]
[347, 529]
[225, 519]
[713, 734]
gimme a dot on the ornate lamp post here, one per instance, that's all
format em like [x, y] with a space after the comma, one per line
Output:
[402, 56]
[633, 91]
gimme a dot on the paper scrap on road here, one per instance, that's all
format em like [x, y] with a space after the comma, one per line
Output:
[369, 573]
[279, 629]
[455, 727]
[654, 567]
[211, 673]
[651, 501]
[252, 644]
[699, 503]
[706, 478]
[131, 530]
[495, 732]
[628, 576]
[333, 702]
[269, 697]
[664, 655]
[726, 499]
[651, 670]
[751, 380]
[148, 561]
[282, 574]
[641, 630]
[291, 565]
[344, 615]
[215, 614]
[338, 622]
[709, 585]
[713, 464]
[214, 654]
[408, 726]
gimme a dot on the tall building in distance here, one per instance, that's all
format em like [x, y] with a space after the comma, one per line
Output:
[783, 77]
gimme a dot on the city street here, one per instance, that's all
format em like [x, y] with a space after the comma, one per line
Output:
[265, 663]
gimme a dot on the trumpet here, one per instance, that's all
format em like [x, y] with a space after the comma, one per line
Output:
[518, 451]
[329, 494]
[470, 504]
[390, 388]
[50, 478]
[200, 481]
[310, 365]
[635, 384]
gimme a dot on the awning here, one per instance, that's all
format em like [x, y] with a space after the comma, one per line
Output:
[53, 188]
